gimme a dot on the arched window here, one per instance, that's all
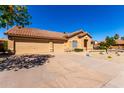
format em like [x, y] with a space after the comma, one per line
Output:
[74, 44]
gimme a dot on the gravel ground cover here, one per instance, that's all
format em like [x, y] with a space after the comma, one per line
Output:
[16, 62]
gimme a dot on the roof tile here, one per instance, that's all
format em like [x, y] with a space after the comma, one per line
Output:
[35, 33]
[45, 34]
[119, 41]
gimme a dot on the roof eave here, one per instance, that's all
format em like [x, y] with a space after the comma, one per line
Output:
[12, 35]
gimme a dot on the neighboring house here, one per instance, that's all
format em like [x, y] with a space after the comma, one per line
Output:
[31, 40]
[119, 44]
[96, 45]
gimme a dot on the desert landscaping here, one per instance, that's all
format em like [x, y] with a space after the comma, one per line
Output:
[82, 69]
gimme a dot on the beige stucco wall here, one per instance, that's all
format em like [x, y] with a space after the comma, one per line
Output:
[10, 44]
[37, 46]
[80, 42]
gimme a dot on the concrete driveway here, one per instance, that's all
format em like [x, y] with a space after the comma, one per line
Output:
[67, 70]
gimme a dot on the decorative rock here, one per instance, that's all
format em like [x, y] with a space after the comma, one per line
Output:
[101, 53]
[23, 61]
[87, 54]
[118, 54]
[1, 59]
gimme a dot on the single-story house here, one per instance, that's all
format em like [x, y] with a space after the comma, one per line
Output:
[119, 44]
[32, 40]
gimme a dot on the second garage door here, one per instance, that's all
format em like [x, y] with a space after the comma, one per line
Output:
[59, 47]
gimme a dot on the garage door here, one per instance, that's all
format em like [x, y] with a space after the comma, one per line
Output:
[58, 47]
[32, 48]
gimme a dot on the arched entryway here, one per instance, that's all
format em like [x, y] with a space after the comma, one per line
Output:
[85, 43]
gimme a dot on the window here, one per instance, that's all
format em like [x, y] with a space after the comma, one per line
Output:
[74, 44]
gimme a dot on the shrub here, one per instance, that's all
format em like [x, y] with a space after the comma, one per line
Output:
[78, 50]
[101, 53]
[1, 46]
[102, 47]
[5, 45]
[109, 57]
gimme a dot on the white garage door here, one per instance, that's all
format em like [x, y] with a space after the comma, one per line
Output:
[31, 48]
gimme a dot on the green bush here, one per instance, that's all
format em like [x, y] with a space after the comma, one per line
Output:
[109, 57]
[102, 47]
[5, 45]
[78, 50]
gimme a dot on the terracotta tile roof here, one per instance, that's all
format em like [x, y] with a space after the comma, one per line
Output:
[83, 34]
[80, 32]
[120, 41]
[74, 33]
[35, 33]
[44, 34]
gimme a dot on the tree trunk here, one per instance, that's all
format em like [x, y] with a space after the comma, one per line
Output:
[106, 51]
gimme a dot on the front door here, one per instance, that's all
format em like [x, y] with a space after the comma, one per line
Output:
[85, 43]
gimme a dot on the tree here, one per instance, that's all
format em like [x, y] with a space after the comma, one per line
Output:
[122, 38]
[102, 45]
[11, 15]
[64, 32]
[109, 41]
[116, 36]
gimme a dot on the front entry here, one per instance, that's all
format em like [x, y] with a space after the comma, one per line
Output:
[85, 43]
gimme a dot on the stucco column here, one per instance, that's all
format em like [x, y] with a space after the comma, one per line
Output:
[65, 46]
[51, 46]
[14, 46]
[70, 45]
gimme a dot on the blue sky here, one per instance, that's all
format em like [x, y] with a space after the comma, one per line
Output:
[99, 21]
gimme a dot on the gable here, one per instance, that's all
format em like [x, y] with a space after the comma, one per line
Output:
[84, 34]
[80, 36]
